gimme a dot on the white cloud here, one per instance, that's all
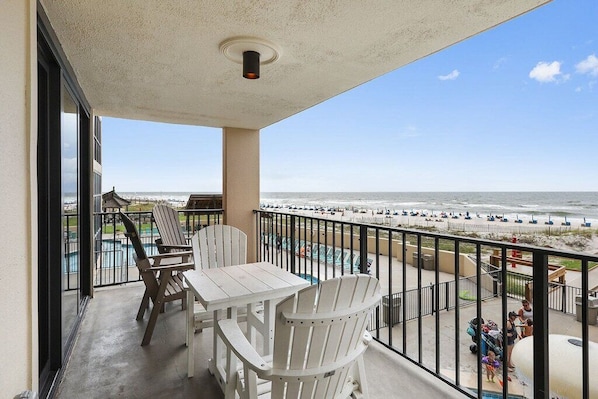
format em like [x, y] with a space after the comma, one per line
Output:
[499, 63]
[544, 72]
[451, 76]
[589, 66]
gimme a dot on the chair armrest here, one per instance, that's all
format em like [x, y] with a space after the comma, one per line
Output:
[233, 338]
[171, 255]
[169, 247]
[157, 259]
[175, 267]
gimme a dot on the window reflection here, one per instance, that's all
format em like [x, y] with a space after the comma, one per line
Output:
[70, 222]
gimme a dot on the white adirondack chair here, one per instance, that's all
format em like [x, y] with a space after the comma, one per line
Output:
[319, 339]
[217, 246]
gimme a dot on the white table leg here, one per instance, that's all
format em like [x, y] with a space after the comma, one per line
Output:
[268, 326]
[251, 313]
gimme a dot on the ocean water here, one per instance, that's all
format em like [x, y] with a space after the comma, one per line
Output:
[575, 206]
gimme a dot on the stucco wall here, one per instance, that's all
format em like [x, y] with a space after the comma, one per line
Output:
[17, 298]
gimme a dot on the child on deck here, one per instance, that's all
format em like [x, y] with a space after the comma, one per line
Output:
[528, 328]
[491, 363]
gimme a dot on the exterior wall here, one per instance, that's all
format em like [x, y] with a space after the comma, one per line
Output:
[241, 181]
[18, 230]
[446, 260]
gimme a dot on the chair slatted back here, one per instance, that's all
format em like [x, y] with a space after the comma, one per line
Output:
[133, 236]
[167, 221]
[219, 245]
[141, 259]
[318, 329]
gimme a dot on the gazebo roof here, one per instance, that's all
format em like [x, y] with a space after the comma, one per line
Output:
[112, 200]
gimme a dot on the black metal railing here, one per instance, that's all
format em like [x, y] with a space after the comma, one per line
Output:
[113, 252]
[434, 285]
[426, 297]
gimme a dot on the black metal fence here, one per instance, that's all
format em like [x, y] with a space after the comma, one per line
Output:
[425, 309]
[113, 252]
[423, 301]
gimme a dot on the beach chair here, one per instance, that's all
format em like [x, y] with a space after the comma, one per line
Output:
[319, 340]
[338, 257]
[172, 237]
[330, 255]
[162, 276]
[323, 251]
[314, 252]
[308, 253]
[355, 264]
[347, 260]
[217, 246]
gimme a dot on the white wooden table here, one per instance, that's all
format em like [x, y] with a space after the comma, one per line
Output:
[226, 288]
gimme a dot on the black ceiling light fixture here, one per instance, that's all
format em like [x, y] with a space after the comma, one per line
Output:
[251, 64]
[251, 52]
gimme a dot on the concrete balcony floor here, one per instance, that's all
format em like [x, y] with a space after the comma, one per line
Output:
[107, 360]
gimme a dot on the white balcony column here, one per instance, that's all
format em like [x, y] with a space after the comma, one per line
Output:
[241, 181]
[18, 196]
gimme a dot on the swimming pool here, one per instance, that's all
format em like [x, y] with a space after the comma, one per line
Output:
[309, 278]
[108, 254]
[494, 395]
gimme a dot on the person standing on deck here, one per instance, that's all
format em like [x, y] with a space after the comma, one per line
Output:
[511, 337]
[526, 312]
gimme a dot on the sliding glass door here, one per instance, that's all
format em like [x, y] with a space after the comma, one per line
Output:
[64, 159]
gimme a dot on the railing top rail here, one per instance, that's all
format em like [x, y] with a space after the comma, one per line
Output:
[206, 211]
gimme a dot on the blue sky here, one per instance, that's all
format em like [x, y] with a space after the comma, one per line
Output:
[511, 109]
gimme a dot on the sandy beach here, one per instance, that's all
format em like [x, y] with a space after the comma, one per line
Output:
[573, 237]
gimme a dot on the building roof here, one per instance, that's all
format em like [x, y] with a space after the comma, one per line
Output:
[204, 201]
[165, 61]
[111, 200]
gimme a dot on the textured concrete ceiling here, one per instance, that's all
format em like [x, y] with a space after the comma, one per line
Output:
[160, 60]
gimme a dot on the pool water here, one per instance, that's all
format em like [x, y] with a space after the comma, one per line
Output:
[494, 395]
[309, 278]
[111, 254]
